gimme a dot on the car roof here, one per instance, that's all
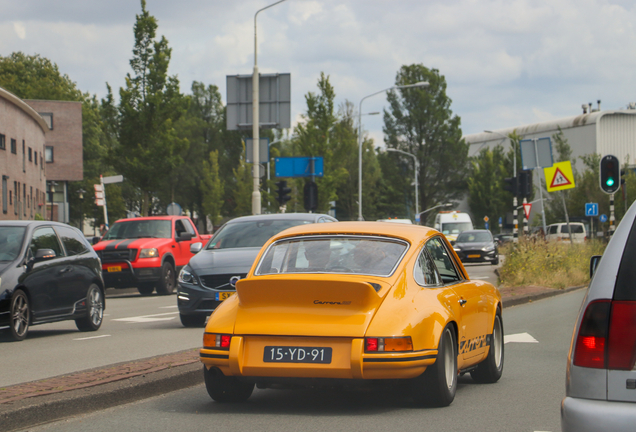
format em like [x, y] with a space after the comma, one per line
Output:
[475, 231]
[27, 223]
[410, 233]
[162, 217]
[282, 216]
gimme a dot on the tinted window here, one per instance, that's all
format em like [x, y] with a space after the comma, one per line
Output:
[475, 237]
[625, 289]
[10, 242]
[553, 229]
[73, 242]
[455, 227]
[250, 234]
[154, 228]
[443, 261]
[325, 254]
[425, 272]
[45, 238]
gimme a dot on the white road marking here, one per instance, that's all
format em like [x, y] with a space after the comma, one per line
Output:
[93, 337]
[520, 338]
[148, 318]
[168, 307]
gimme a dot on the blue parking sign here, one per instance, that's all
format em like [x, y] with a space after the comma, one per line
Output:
[591, 209]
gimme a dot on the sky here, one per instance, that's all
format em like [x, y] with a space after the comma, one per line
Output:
[506, 62]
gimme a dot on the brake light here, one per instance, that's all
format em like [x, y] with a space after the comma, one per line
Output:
[223, 341]
[589, 350]
[371, 344]
[388, 344]
[211, 340]
[621, 352]
[607, 337]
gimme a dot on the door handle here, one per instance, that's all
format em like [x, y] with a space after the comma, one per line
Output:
[66, 269]
[462, 302]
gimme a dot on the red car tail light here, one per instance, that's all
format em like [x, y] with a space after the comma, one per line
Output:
[621, 350]
[211, 340]
[371, 344]
[589, 350]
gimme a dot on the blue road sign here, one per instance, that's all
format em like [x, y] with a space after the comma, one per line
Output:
[486, 225]
[500, 220]
[299, 166]
[591, 209]
[603, 218]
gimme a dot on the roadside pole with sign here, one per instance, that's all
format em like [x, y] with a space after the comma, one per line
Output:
[100, 193]
[486, 219]
[559, 177]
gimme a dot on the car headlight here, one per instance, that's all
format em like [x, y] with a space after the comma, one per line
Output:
[457, 249]
[149, 253]
[489, 248]
[185, 276]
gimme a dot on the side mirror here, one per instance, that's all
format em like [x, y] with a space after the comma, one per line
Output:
[44, 254]
[196, 247]
[594, 263]
[184, 236]
[95, 240]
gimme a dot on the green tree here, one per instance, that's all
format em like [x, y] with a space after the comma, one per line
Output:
[420, 121]
[148, 148]
[485, 185]
[212, 189]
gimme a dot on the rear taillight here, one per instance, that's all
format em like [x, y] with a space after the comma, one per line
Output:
[607, 336]
[622, 336]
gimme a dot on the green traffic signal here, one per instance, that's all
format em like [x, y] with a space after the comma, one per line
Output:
[609, 182]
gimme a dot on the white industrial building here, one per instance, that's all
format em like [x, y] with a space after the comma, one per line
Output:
[594, 131]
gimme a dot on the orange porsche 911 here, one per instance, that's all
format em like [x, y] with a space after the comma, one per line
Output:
[353, 302]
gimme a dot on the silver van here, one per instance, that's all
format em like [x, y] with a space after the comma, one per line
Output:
[601, 374]
[559, 232]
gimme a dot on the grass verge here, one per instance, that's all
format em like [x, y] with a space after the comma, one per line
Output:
[555, 264]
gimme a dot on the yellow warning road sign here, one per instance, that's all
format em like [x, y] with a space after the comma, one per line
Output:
[559, 176]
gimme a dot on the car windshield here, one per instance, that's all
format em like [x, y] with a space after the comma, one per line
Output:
[10, 242]
[250, 233]
[154, 228]
[376, 256]
[480, 237]
[455, 227]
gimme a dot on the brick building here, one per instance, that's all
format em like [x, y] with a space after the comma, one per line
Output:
[63, 155]
[22, 147]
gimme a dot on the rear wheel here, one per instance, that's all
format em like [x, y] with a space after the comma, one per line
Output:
[490, 370]
[20, 315]
[167, 283]
[223, 388]
[438, 384]
[94, 310]
[192, 320]
[145, 289]
[495, 261]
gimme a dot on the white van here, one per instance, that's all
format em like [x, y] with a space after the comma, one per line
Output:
[452, 223]
[559, 232]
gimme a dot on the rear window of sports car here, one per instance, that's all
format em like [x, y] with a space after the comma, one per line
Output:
[365, 255]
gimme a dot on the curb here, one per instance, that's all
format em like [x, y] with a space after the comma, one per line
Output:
[33, 411]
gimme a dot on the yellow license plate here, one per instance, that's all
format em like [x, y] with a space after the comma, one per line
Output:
[114, 269]
[223, 295]
[474, 256]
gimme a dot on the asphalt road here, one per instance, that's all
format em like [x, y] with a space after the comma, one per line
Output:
[134, 328]
[527, 398]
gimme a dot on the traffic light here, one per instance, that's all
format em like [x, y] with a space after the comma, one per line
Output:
[525, 184]
[610, 177]
[511, 185]
[283, 192]
[311, 196]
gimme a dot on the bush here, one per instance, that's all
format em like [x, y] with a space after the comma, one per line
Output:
[554, 264]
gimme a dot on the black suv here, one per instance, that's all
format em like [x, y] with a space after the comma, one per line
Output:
[48, 272]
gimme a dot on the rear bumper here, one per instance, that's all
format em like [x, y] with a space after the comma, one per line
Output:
[349, 361]
[587, 415]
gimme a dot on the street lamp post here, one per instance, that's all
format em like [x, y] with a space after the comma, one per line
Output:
[417, 168]
[433, 208]
[419, 84]
[515, 221]
[256, 193]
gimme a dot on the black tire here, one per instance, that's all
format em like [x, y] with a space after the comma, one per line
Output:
[496, 261]
[223, 388]
[192, 320]
[94, 310]
[168, 281]
[438, 384]
[490, 370]
[20, 317]
[145, 289]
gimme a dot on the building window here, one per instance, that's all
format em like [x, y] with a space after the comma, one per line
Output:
[48, 154]
[30, 155]
[23, 156]
[35, 157]
[3, 144]
[24, 200]
[16, 195]
[5, 204]
[14, 146]
[48, 119]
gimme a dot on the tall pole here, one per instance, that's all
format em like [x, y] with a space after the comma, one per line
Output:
[101, 181]
[417, 168]
[536, 156]
[256, 193]
[515, 218]
[419, 84]
[611, 218]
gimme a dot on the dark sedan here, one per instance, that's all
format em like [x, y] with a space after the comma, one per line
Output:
[48, 272]
[209, 277]
[477, 246]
